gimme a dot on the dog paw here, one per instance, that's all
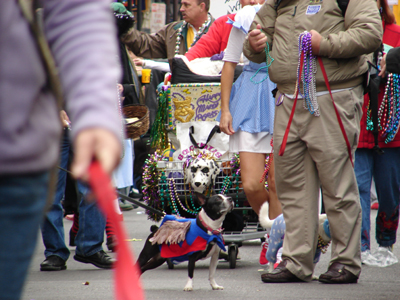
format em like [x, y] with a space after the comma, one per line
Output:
[189, 285]
[188, 288]
[217, 287]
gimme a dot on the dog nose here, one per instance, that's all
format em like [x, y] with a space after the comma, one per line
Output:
[197, 184]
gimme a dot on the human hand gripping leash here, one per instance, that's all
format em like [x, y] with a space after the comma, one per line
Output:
[126, 273]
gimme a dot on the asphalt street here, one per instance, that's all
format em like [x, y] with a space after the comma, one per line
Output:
[85, 281]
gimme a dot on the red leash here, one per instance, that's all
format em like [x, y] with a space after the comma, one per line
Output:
[336, 111]
[285, 137]
[284, 141]
[126, 273]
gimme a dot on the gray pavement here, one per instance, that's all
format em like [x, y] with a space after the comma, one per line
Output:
[243, 282]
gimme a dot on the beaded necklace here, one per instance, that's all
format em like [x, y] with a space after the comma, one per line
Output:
[309, 70]
[153, 192]
[226, 185]
[197, 36]
[389, 110]
[158, 132]
[235, 169]
[268, 160]
[173, 195]
[175, 199]
[162, 187]
[196, 209]
[269, 58]
[370, 123]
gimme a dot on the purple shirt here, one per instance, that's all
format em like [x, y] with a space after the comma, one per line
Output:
[82, 37]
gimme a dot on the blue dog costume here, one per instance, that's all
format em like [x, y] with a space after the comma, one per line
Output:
[196, 240]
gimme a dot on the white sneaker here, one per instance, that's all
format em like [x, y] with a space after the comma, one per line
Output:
[385, 256]
[368, 259]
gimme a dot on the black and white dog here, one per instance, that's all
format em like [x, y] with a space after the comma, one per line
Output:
[189, 239]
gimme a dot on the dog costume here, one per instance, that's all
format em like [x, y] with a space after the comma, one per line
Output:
[179, 241]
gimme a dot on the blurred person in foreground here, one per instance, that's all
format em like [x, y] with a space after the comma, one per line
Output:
[82, 37]
[319, 151]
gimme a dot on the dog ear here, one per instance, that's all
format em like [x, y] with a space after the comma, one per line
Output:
[216, 170]
[201, 198]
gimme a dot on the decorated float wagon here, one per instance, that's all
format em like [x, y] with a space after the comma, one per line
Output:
[188, 143]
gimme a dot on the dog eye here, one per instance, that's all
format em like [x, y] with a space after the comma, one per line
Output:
[205, 170]
[193, 169]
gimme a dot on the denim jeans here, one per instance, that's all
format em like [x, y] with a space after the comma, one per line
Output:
[90, 236]
[385, 169]
[92, 224]
[52, 227]
[22, 201]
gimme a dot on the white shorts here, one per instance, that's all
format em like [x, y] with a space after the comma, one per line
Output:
[242, 141]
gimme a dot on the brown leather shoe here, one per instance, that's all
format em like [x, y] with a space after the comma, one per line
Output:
[280, 274]
[338, 274]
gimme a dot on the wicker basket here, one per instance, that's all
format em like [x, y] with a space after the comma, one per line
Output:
[135, 129]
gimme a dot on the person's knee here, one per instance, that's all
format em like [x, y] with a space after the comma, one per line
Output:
[252, 188]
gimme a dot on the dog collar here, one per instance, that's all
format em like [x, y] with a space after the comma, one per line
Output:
[208, 228]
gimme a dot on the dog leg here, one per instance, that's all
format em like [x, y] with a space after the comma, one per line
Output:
[191, 264]
[153, 263]
[149, 251]
[213, 268]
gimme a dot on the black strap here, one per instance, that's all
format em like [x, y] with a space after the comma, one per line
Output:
[141, 204]
[216, 129]
[374, 91]
[277, 4]
[27, 8]
[343, 5]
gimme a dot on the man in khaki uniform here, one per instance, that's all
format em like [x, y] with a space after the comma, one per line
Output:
[316, 153]
[176, 37]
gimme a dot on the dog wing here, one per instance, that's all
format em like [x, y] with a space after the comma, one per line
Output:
[171, 232]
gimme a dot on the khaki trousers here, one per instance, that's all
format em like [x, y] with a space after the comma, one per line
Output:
[316, 156]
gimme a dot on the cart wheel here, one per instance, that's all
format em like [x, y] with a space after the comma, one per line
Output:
[170, 264]
[232, 254]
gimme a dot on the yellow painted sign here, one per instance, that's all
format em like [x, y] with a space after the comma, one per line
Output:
[193, 102]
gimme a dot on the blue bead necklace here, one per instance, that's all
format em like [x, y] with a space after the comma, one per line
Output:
[268, 64]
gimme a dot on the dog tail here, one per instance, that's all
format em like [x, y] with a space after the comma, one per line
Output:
[263, 217]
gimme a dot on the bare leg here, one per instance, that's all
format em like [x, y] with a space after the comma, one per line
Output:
[252, 166]
[275, 208]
